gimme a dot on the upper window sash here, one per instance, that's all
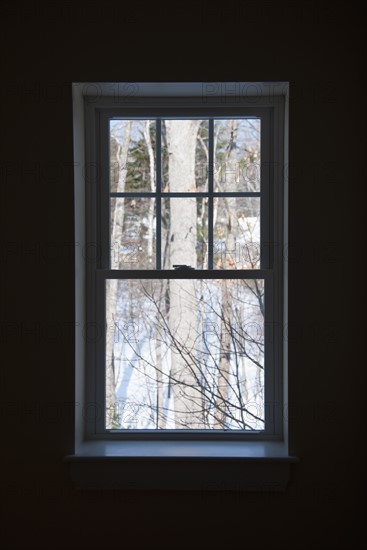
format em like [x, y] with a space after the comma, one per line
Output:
[99, 228]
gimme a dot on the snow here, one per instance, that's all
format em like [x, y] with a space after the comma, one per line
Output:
[136, 344]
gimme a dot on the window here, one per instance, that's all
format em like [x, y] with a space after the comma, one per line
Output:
[182, 275]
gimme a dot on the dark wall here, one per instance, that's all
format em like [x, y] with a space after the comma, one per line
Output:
[318, 48]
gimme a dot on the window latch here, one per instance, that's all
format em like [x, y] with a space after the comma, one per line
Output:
[184, 267]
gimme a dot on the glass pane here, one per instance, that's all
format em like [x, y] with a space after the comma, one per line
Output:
[184, 232]
[185, 354]
[185, 155]
[236, 233]
[132, 155]
[133, 233]
[237, 155]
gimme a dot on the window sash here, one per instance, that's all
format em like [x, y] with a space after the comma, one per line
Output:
[102, 130]
[270, 423]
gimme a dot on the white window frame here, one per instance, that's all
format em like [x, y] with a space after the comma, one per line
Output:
[94, 103]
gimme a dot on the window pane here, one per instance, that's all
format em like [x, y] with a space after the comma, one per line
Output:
[132, 155]
[236, 233]
[184, 232]
[133, 233]
[185, 155]
[185, 354]
[237, 155]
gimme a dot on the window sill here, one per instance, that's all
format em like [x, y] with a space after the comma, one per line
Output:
[181, 465]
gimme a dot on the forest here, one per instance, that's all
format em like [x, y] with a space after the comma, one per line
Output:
[185, 353]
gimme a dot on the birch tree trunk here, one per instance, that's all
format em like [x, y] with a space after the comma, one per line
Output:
[148, 142]
[160, 416]
[112, 286]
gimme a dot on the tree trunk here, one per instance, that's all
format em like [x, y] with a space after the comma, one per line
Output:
[229, 261]
[148, 142]
[223, 383]
[112, 286]
[181, 139]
